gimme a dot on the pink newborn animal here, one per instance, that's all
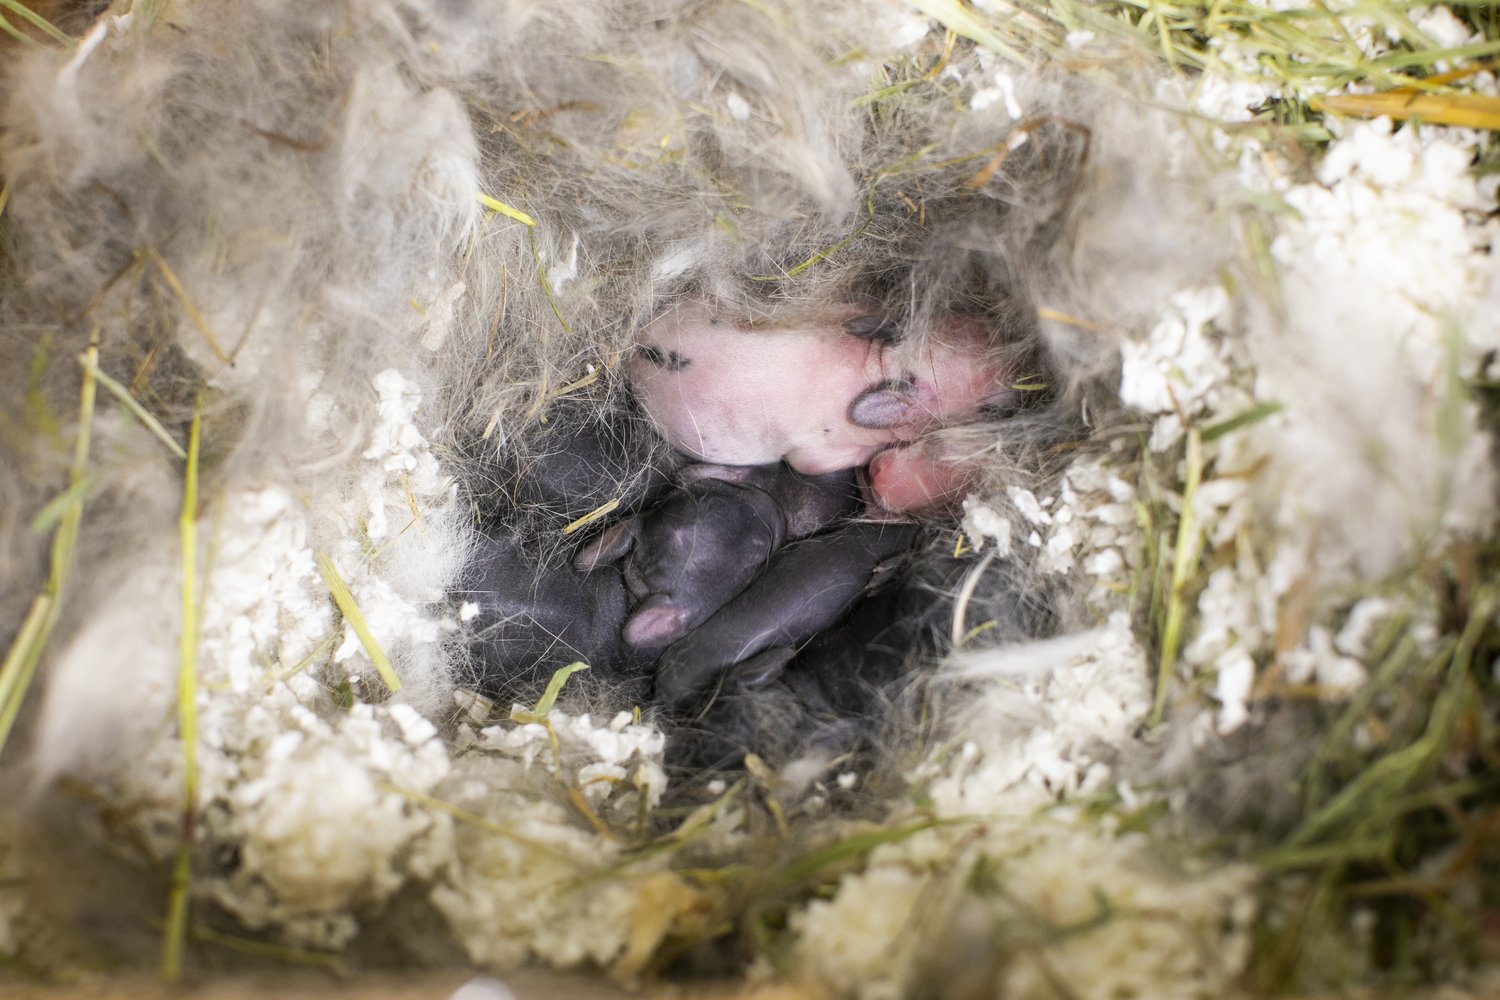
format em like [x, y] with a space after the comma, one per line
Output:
[813, 394]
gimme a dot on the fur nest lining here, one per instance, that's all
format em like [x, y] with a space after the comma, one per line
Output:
[345, 254]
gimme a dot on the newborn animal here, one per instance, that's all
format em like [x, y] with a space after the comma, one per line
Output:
[582, 457]
[537, 615]
[923, 475]
[783, 704]
[806, 588]
[815, 395]
[646, 581]
[706, 575]
[828, 697]
[685, 558]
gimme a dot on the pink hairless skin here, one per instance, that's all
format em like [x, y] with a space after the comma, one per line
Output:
[916, 477]
[818, 397]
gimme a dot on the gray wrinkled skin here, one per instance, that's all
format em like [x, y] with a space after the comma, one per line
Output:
[807, 587]
[687, 557]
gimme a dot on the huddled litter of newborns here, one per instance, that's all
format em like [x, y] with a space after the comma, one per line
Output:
[797, 478]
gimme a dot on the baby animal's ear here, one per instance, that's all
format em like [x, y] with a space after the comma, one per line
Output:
[882, 406]
[610, 547]
[655, 622]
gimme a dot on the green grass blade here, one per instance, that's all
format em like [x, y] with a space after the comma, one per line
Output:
[91, 365]
[549, 696]
[46, 26]
[25, 652]
[57, 508]
[1253, 415]
[16, 33]
[496, 205]
[187, 712]
[350, 610]
[1184, 558]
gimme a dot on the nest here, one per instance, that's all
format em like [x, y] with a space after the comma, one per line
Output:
[294, 299]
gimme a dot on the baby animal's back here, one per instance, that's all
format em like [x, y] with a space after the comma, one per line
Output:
[727, 394]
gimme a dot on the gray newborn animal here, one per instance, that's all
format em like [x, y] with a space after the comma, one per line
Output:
[806, 588]
[687, 557]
